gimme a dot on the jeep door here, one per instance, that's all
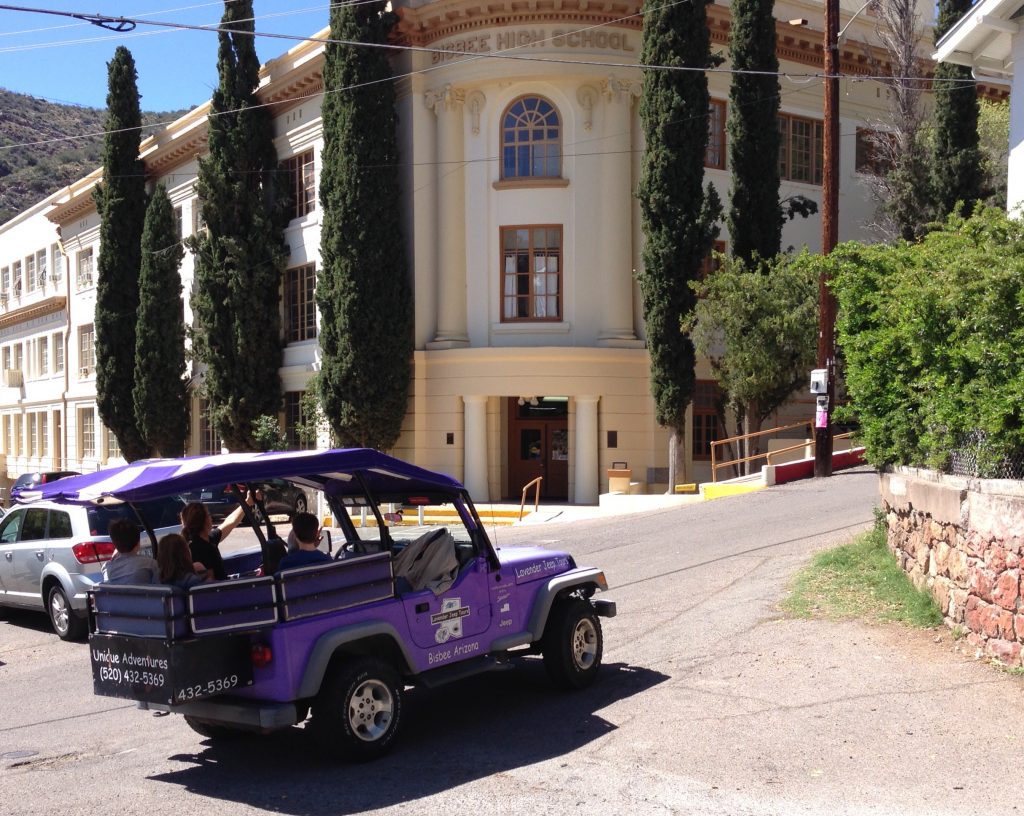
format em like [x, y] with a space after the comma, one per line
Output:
[459, 615]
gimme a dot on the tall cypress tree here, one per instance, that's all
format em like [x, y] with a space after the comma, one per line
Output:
[956, 161]
[363, 290]
[240, 255]
[755, 227]
[121, 203]
[160, 394]
[679, 217]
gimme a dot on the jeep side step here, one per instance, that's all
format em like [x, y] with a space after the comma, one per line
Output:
[457, 671]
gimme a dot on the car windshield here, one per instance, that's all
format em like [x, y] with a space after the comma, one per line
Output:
[158, 513]
[407, 522]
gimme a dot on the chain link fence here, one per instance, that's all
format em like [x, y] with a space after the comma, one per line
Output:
[973, 456]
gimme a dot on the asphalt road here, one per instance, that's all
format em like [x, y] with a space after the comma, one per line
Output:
[710, 702]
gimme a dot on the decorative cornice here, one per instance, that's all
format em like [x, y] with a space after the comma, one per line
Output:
[40, 308]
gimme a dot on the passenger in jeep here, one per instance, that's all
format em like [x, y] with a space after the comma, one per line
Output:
[176, 565]
[307, 535]
[128, 566]
[204, 539]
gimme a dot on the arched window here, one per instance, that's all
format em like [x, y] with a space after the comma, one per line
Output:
[531, 140]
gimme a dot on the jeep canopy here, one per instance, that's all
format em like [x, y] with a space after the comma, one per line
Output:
[340, 474]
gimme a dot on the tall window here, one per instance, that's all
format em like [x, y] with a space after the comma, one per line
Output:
[531, 141]
[44, 433]
[7, 358]
[86, 351]
[293, 418]
[113, 448]
[31, 420]
[58, 353]
[30, 274]
[58, 262]
[17, 441]
[531, 273]
[16, 278]
[43, 356]
[714, 156]
[41, 267]
[302, 183]
[85, 269]
[706, 395]
[179, 222]
[800, 146]
[198, 222]
[711, 264]
[5, 281]
[19, 360]
[872, 152]
[87, 432]
[209, 442]
[299, 306]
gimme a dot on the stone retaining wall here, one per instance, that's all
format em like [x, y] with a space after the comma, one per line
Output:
[963, 539]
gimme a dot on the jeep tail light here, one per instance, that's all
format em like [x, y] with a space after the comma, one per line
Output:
[261, 655]
[93, 552]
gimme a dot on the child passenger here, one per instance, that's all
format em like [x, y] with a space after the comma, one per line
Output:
[175, 560]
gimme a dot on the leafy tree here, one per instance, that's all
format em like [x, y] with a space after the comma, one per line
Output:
[956, 159]
[160, 393]
[933, 337]
[755, 228]
[758, 326]
[268, 434]
[363, 291]
[994, 143]
[121, 203]
[678, 216]
[240, 255]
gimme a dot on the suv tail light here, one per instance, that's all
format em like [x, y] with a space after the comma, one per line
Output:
[92, 552]
[261, 655]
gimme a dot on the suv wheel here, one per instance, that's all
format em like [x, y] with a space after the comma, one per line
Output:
[65, 621]
[358, 710]
[572, 644]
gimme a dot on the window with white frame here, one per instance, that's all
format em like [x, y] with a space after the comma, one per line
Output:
[113, 448]
[58, 262]
[43, 356]
[33, 434]
[44, 433]
[19, 360]
[30, 274]
[5, 430]
[179, 222]
[86, 351]
[16, 444]
[87, 433]
[294, 420]
[5, 282]
[85, 269]
[209, 442]
[6, 354]
[58, 353]
[299, 303]
[198, 222]
[16, 279]
[41, 267]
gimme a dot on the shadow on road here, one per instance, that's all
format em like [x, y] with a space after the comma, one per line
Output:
[451, 736]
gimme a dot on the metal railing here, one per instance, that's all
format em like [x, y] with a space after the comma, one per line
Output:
[766, 455]
[536, 495]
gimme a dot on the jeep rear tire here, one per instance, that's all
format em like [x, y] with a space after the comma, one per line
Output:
[572, 644]
[358, 710]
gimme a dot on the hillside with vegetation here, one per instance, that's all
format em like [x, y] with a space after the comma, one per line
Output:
[45, 146]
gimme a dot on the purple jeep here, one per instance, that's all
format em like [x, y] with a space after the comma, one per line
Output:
[415, 594]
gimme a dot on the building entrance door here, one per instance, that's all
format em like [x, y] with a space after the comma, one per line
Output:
[538, 445]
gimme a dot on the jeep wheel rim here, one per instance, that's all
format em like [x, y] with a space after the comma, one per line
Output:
[59, 612]
[584, 644]
[370, 710]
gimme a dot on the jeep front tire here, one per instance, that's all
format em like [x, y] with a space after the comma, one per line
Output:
[358, 710]
[572, 644]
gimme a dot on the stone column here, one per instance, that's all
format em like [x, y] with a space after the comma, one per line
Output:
[586, 459]
[475, 450]
[1015, 175]
[448, 104]
[616, 228]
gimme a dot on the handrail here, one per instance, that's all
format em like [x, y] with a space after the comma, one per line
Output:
[720, 442]
[767, 455]
[536, 496]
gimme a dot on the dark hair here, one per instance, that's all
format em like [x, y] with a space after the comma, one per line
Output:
[193, 520]
[173, 557]
[305, 526]
[124, 533]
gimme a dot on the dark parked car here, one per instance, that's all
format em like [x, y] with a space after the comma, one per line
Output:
[26, 481]
[280, 498]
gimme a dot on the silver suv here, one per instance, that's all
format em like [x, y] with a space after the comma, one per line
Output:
[51, 554]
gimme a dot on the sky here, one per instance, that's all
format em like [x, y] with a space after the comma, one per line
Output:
[64, 60]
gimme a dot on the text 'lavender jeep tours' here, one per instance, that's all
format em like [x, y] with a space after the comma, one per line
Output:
[415, 595]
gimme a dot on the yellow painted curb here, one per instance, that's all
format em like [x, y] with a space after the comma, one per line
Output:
[718, 491]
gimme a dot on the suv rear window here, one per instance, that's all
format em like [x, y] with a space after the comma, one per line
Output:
[159, 513]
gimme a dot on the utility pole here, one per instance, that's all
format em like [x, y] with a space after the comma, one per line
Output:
[829, 238]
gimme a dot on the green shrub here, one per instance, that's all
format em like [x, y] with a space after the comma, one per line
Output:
[932, 337]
